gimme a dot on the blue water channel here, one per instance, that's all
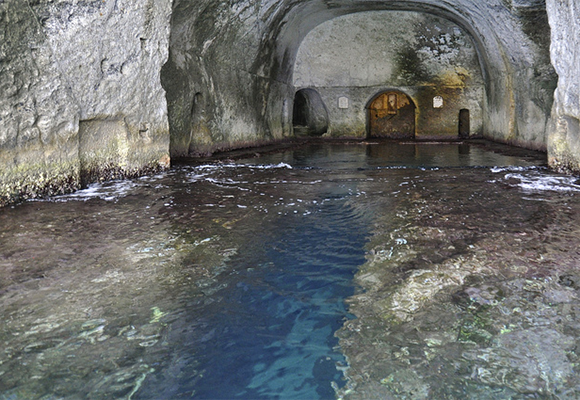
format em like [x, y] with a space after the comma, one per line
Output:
[274, 333]
[271, 335]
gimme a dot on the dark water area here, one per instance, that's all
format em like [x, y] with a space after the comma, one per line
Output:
[351, 271]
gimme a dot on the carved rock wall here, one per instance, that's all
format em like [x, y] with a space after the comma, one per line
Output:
[86, 92]
[229, 76]
[68, 66]
[359, 55]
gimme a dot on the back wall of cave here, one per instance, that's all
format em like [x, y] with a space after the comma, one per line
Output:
[351, 60]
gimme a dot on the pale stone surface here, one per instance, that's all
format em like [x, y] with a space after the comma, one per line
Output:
[228, 79]
[240, 60]
[375, 48]
[68, 61]
[564, 130]
[365, 53]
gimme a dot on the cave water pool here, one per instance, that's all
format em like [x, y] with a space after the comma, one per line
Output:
[326, 270]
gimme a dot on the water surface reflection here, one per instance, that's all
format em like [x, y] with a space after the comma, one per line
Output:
[228, 279]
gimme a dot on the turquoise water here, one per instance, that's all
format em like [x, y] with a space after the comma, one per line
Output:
[323, 271]
[272, 336]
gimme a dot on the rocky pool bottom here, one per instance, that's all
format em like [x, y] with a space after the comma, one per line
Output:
[355, 271]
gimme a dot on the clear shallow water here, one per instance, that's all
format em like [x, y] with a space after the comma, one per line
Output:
[413, 271]
[270, 332]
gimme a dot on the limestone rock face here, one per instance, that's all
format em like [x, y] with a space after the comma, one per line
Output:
[219, 83]
[564, 130]
[85, 89]
[65, 64]
[359, 55]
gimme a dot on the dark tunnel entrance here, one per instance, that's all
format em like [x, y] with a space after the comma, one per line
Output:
[309, 115]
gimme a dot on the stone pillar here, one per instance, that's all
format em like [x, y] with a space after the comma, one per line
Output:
[564, 127]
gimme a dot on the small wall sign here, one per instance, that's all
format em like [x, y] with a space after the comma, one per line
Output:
[343, 102]
[437, 102]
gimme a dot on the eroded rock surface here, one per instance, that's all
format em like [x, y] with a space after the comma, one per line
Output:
[469, 299]
[229, 75]
[68, 63]
[360, 55]
[93, 69]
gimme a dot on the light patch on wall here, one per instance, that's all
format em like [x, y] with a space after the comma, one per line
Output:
[437, 102]
[343, 102]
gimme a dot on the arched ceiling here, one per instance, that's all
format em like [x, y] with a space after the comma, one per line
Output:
[294, 23]
[241, 55]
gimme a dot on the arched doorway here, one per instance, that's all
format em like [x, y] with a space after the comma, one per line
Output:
[309, 115]
[391, 114]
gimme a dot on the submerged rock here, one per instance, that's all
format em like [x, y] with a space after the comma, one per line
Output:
[497, 320]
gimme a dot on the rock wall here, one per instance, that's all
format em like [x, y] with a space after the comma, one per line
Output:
[219, 79]
[86, 93]
[80, 88]
[564, 129]
[359, 55]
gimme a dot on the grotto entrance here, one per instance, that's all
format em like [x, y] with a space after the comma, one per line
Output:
[464, 125]
[391, 114]
[309, 114]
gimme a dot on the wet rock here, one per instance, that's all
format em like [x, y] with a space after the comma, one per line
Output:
[570, 280]
[529, 361]
[406, 384]
[498, 320]
[70, 61]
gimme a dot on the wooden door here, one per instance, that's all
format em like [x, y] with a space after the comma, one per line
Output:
[392, 115]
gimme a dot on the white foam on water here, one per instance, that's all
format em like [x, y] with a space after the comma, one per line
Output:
[512, 168]
[213, 167]
[109, 191]
[205, 171]
[541, 183]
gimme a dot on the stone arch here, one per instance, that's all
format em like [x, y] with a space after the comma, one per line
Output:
[309, 113]
[391, 114]
[256, 73]
[501, 85]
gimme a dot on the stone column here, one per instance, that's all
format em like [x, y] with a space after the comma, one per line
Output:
[564, 128]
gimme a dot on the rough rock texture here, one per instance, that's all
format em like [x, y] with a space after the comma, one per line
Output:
[457, 305]
[359, 55]
[218, 76]
[229, 76]
[564, 129]
[67, 69]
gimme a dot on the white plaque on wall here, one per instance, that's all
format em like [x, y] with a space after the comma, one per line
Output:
[343, 102]
[437, 102]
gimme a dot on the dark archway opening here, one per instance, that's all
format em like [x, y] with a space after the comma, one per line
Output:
[464, 124]
[391, 114]
[309, 114]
